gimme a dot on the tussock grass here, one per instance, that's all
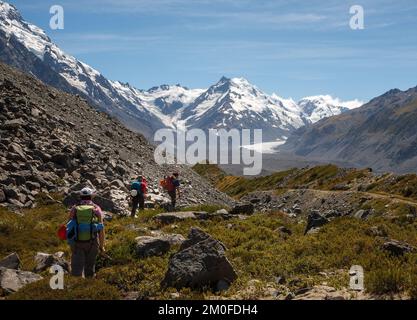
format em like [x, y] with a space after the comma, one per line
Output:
[255, 248]
[74, 289]
[326, 177]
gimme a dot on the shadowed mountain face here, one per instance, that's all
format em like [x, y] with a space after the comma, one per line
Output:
[381, 134]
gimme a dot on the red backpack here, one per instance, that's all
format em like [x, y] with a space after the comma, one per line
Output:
[169, 184]
[144, 186]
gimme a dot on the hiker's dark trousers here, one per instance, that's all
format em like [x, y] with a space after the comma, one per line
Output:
[83, 259]
[173, 196]
[138, 201]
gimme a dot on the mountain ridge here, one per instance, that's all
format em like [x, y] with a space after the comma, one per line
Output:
[380, 134]
[28, 48]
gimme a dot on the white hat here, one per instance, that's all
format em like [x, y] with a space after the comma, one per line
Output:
[86, 191]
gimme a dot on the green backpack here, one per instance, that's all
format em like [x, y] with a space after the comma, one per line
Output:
[85, 222]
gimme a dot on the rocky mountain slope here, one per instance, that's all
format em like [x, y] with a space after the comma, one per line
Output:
[381, 134]
[55, 142]
[28, 48]
[230, 103]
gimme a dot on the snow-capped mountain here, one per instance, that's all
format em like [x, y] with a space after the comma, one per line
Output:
[28, 48]
[169, 99]
[235, 103]
[230, 103]
[316, 108]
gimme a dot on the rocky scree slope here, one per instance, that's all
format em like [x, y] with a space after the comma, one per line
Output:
[53, 142]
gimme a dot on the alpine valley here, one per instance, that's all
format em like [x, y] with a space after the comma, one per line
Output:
[303, 233]
[229, 103]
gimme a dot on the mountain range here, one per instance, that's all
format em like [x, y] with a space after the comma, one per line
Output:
[230, 103]
[381, 134]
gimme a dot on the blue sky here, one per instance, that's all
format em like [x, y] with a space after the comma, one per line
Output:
[291, 47]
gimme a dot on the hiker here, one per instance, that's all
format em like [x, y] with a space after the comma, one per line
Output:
[87, 235]
[172, 185]
[138, 190]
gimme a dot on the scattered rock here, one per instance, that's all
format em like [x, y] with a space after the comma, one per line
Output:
[398, 248]
[132, 296]
[172, 217]
[16, 203]
[244, 208]
[172, 238]
[289, 296]
[14, 123]
[47, 146]
[314, 221]
[12, 261]
[13, 280]
[376, 231]
[2, 196]
[280, 279]
[44, 261]
[200, 262]
[362, 214]
[151, 246]
[222, 212]
[284, 231]
[322, 292]
[296, 209]
[107, 216]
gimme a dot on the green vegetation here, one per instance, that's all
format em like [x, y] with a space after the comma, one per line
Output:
[327, 177]
[405, 186]
[255, 249]
[75, 289]
[33, 231]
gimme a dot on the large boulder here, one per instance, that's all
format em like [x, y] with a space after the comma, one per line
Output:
[147, 246]
[201, 262]
[44, 261]
[12, 261]
[13, 280]
[243, 208]
[314, 221]
[398, 248]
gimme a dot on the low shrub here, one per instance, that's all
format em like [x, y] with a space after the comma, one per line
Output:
[74, 289]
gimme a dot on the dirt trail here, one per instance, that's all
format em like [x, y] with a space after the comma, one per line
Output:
[394, 198]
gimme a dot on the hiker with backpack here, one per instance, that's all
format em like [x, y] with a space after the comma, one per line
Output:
[171, 184]
[85, 234]
[138, 190]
